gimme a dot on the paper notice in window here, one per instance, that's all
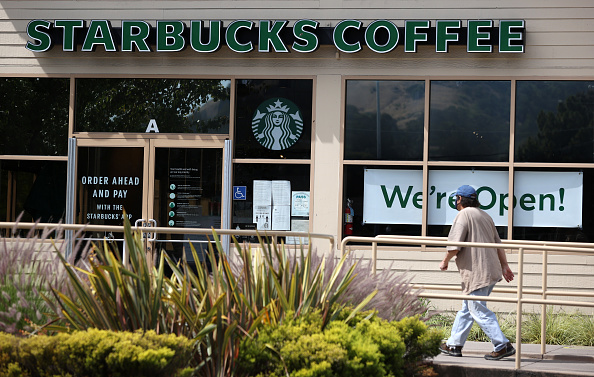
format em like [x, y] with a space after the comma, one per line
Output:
[281, 193]
[281, 217]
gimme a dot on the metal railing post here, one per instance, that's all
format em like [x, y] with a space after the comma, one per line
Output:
[227, 193]
[374, 258]
[543, 315]
[70, 195]
[519, 308]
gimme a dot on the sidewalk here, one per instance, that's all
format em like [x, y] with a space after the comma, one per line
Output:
[558, 361]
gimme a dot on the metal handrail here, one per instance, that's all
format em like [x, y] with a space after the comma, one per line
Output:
[519, 300]
[167, 230]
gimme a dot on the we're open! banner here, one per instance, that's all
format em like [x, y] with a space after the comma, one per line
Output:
[541, 199]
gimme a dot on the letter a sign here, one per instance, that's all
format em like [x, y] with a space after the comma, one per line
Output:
[152, 126]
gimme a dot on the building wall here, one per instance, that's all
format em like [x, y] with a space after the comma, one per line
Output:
[559, 45]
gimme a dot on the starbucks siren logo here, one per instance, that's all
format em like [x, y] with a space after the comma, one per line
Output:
[277, 124]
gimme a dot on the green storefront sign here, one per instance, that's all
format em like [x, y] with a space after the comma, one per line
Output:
[305, 36]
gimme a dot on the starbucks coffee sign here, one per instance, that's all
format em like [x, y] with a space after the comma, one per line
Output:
[305, 36]
[277, 124]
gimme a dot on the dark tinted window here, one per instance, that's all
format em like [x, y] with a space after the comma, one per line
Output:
[554, 121]
[246, 174]
[354, 180]
[129, 105]
[273, 119]
[469, 121]
[37, 189]
[384, 120]
[34, 116]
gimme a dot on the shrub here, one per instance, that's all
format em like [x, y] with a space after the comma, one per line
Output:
[218, 304]
[96, 353]
[367, 347]
[29, 269]
[395, 298]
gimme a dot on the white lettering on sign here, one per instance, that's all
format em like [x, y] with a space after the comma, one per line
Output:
[125, 181]
[94, 180]
[100, 193]
[152, 126]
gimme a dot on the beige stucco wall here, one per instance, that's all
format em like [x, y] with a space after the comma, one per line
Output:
[559, 44]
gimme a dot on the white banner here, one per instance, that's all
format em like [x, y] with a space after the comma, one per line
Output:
[542, 199]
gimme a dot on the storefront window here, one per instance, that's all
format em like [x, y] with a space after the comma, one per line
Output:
[554, 205]
[469, 121]
[273, 197]
[554, 121]
[34, 116]
[384, 120]
[273, 119]
[152, 105]
[491, 185]
[394, 209]
[35, 189]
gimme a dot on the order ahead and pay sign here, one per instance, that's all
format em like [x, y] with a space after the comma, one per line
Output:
[542, 199]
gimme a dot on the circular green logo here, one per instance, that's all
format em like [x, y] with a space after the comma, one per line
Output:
[277, 124]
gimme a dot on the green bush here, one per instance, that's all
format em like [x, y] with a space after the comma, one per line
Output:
[96, 353]
[363, 347]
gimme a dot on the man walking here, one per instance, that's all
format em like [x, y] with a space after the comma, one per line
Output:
[480, 269]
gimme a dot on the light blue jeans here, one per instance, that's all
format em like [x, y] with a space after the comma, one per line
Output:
[477, 311]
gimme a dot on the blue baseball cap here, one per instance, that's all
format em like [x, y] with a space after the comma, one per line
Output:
[465, 191]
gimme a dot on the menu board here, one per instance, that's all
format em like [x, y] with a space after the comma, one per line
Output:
[184, 193]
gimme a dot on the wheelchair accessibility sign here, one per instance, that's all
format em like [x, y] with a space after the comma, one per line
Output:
[239, 192]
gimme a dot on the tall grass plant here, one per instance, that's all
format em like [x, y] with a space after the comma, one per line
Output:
[29, 270]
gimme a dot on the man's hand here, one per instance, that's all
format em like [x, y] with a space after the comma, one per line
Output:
[505, 270]
[507, 273]
[446, 260]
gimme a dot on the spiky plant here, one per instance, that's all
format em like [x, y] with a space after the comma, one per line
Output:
[393, 297]
[255, 285]
[113, 294]
[297, 281]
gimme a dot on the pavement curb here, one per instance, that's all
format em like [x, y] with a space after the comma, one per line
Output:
[538, 356]
[472, 371]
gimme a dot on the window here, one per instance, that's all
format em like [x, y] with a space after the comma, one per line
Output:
[491, 184]
[566, 215]
[138, 105]
[469, 121]
[554, 121]
[34, 116]
[401, 198]
[245, 174]
[37, 189]
[384, 120]
[273, 119]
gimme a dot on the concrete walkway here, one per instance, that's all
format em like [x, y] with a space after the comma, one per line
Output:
[558, 361]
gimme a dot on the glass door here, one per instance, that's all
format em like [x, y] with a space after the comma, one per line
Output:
[187, 185]
[152, 182]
